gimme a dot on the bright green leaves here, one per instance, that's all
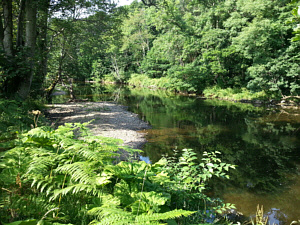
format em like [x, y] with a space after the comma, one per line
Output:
[76, 179]
[296, 20]
[53, 165]
[24, 222]
[231, 44]
[148, 202]
[138, 194]
[136, 180]
[193, 176]
[189, 178]
[127, 170]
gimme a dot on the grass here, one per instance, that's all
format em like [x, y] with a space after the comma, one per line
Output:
[234, 94]
[142, 80]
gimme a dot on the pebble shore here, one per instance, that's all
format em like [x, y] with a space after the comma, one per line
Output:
[109, 119]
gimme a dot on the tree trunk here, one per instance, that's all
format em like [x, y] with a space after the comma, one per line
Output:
[42, 41]
[20, 24]
[115, 65]
[1, 34]
[8, 28]
[30, 42]
[43, 44]
[58, 77]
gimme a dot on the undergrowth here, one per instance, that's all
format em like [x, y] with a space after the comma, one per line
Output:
[68, 176]
[234, 94]
[142, 80]
[17, 117]
[175, 84]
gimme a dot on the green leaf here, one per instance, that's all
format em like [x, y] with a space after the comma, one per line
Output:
[23, 222]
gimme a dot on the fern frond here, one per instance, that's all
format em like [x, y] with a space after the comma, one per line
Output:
[115, 219]
[75, 189]
[41, 163]
[109, 211]
[163, 216]
[44, 184]
[65, 130]
[93, 154]
[126, 170]
[83, 172]
[40, 135]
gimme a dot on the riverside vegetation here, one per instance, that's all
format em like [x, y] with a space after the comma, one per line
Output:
[66, 175]
[246, 47]
[61, 175]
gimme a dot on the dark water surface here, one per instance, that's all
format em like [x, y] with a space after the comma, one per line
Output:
[264, 143]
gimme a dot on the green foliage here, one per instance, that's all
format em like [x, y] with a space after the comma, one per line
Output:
[192, 45]
[233, 93]
[296, 20]
[142, 80]
[231, 44]
[15, 117]
[191, 176]
[189, 179]
[47, 162]
[11, 70]
[75, 176]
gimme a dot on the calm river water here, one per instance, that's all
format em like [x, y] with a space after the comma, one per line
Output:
[264, 143]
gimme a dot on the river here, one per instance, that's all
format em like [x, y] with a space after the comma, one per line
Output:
[263, 142]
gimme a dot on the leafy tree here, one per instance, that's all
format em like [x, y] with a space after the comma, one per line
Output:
[25, 60]
[224, 43]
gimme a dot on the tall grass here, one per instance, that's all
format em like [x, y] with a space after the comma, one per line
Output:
[142, 80]
[234, 94]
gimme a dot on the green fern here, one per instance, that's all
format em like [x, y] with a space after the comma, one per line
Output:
[76, 174]
[118, 216]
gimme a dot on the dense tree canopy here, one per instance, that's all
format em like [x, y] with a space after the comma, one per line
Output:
[42, 38]
[225, 43]
[193, 44]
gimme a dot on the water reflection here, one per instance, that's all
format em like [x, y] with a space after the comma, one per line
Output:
[264, 143]
[145, 159]
[281, 208]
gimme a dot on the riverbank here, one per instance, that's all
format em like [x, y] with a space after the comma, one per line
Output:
[242, 95]
[108, 119]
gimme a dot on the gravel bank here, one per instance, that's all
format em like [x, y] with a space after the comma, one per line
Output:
[109, 120]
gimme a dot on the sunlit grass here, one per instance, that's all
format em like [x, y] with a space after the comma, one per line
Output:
[234, 94]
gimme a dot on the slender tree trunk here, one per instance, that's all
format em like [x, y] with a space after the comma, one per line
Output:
[30, 42]
[70, 88]
[42, 42]
[1, 34]
[115, 65]
[58, 77]
[8, 28]
[20, 24]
